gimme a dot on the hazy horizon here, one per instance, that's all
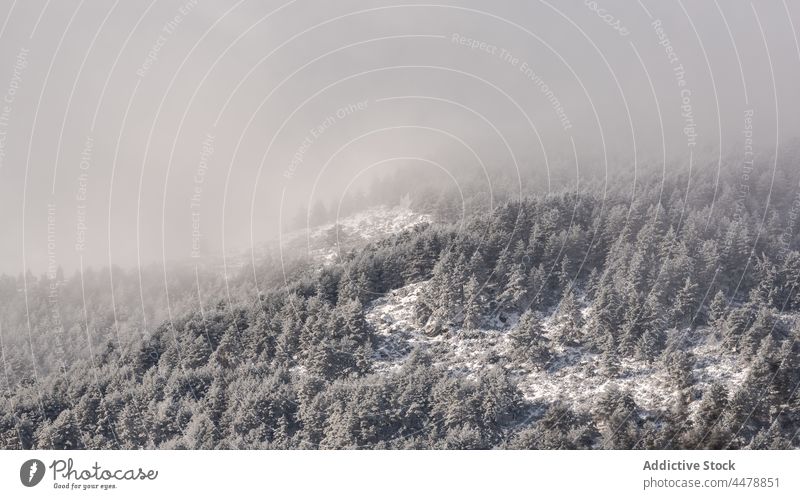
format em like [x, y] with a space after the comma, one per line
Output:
[129, 127]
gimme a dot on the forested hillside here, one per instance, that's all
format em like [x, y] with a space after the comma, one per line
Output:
[674, 304]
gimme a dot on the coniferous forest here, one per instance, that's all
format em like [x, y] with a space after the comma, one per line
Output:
[617, 315]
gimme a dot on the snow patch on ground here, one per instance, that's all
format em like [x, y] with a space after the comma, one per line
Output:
[327, 242]
[573, 376]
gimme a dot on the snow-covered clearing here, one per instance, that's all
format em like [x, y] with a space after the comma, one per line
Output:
[326, 242]
[572, 376]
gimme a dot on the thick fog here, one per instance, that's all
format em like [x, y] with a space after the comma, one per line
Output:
[138, 132]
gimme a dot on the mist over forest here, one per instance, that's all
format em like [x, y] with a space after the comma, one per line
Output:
[377, 225]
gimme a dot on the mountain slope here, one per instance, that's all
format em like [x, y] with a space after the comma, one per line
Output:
[559, 321]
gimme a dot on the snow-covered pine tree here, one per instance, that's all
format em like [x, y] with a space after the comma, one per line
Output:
[609, 362]
[528, 341]
[516, 292]
[686, 303]
[473, 310]
[717, 312]
[650, 345]
[569, 320]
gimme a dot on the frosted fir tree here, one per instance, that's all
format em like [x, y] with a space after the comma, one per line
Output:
[686, 302]
[569, 320]
[717, 312]
[472, 305]
[528, 341]
[609, 362]
[516, 291]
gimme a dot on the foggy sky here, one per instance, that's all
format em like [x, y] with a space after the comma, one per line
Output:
[125, 126]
